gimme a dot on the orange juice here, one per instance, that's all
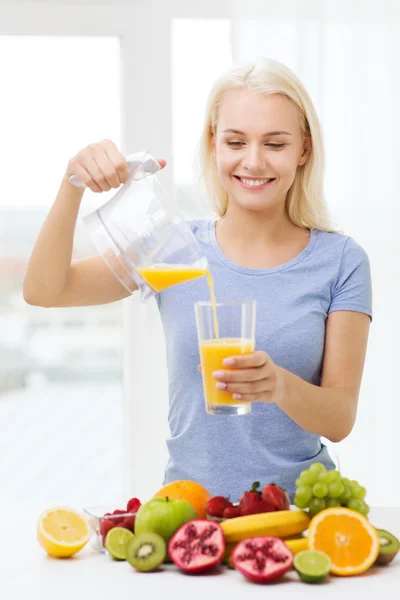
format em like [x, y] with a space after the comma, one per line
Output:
[160, 277]
[212, 353]
[210, 282]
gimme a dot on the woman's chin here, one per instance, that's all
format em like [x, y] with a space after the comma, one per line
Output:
[255, 205]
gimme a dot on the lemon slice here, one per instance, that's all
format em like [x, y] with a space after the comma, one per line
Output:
[62, 531]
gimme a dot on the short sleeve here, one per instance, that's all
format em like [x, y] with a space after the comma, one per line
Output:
[353, 287]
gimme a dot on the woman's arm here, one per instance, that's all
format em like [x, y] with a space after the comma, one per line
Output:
[328, 410]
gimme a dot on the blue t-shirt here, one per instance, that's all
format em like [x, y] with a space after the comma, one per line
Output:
[226, 454]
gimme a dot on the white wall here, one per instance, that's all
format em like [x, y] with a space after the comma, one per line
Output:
[348, 56]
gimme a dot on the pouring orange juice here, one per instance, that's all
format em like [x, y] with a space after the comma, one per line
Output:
[160, 276]
[224, 329]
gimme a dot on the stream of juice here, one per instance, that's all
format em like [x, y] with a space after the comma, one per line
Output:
[212, 351]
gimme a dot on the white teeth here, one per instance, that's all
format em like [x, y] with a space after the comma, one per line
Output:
[254, 182]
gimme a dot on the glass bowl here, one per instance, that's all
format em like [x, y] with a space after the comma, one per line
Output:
[104, 518]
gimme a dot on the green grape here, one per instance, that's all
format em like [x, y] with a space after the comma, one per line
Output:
[299, 502]
[346, 495]
[329, 477]
[332, 502]
[359, 492]
[307, 477]
[346, 481]
[365, 509]
[316, 505]
[304, 493]
[355, 504]
[335, 489]
[298, 482]
[320, 490]
[317, 468]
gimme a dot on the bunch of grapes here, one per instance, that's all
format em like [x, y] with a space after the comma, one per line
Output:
[317, 488]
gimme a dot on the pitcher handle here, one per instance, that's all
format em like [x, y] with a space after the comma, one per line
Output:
[140, 165]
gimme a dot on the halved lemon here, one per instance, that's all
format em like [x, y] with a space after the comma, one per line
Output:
[62, 531]
[347, 537]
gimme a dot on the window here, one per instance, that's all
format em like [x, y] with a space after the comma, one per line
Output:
[201, 51]
[60, 369]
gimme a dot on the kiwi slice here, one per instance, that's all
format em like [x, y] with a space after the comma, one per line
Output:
[146, 551]
[389, 547]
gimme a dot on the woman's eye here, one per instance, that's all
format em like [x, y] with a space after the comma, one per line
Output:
[238, 144]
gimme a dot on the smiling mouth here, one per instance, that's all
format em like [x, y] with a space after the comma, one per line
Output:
[252, 183]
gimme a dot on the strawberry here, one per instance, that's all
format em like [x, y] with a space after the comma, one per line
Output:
[276, 496]
[256, 507]
[231, 512]
[117, 520]
[133, 505]
[105, 525]
[128, 523]
[216, 505]
[252, 496]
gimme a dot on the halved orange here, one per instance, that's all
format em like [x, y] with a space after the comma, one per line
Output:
[62, 531]
[191, 491]
[348, 538]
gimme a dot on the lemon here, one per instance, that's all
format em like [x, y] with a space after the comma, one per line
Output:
[62, 531]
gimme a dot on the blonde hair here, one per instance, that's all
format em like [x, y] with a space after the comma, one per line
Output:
[305, 202]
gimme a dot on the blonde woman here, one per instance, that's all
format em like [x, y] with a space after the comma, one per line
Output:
[261, 156]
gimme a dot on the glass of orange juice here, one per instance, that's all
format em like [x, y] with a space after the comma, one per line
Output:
[224, 329]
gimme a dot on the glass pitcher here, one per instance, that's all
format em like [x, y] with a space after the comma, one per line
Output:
[143, 240]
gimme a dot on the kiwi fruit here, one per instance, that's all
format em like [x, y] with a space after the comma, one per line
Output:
[389, 547]
[146, 551]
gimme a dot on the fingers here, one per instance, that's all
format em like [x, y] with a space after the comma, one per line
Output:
[241, 375]
[246, 361]
[255, 387]
[101, 166]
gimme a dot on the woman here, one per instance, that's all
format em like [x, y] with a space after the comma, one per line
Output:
[262, 161]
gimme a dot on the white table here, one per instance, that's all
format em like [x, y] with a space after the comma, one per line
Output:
[26, 572]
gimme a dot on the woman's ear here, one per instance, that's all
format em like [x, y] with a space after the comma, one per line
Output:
[305, 155]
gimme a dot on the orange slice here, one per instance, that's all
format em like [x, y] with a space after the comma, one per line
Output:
[348, 538]
[62, 531]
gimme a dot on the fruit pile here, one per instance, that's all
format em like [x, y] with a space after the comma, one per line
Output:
[271, 498]
[261, 536]
[317, 489]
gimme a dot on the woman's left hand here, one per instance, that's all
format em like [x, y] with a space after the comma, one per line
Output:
[251, 377]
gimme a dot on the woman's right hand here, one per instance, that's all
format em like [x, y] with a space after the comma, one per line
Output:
[101, 166]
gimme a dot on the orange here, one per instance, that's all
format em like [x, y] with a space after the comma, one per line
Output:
[348, 538]
[62, 531]
[191, 491]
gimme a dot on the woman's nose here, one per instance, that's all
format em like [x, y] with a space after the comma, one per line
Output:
[253, 160]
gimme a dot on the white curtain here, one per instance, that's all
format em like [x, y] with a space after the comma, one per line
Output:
[347, 53]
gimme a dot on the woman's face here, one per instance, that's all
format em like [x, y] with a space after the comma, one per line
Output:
[258, 146]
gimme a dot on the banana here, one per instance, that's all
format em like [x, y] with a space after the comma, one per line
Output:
[282, 523]
[297, 545]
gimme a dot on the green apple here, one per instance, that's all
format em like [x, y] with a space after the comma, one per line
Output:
[163, 516]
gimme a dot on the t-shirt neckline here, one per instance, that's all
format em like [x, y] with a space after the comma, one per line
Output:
[249, 271]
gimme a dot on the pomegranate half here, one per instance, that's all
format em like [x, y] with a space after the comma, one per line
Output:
[262, 559]
[197, 546]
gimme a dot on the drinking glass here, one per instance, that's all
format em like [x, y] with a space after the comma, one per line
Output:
[224, 329]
